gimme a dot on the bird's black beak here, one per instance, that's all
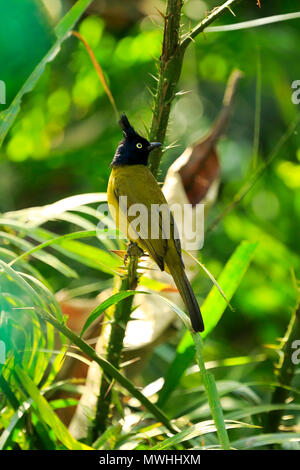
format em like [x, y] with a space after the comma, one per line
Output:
[154, 145]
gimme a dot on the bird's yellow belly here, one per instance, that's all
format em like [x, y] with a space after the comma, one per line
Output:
[120, 216]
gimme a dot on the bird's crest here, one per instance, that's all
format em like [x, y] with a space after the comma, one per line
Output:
[126, 127]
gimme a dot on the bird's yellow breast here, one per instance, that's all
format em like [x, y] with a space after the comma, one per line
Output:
[137, 183]
[137, 179]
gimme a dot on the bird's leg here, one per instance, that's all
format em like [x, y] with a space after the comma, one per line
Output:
[134, 252]
[127, 253]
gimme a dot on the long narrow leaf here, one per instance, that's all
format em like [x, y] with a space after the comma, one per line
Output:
[196, 430]
[254, 410]
[47, 414]
[41, 246]
[46, 258]
[114, 299]
[8, 116]
[88, 255]
[212, 310]
[229, 280]
[266, 440]
[254, 23]
[108, 368]
[39, 215]
[211, 277]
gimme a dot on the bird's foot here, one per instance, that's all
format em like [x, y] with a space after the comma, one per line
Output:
[134, 251]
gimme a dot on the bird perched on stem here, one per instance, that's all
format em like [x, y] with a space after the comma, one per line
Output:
[132, 188]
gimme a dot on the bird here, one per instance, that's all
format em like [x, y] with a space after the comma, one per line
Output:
[131, 184]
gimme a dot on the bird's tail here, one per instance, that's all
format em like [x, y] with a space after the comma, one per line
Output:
[188, 296]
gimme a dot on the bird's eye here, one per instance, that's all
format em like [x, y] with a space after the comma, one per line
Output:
[139, 145]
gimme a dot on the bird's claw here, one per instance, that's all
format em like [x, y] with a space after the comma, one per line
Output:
[134, 251]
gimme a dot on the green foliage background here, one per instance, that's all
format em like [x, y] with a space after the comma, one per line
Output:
[64, 138]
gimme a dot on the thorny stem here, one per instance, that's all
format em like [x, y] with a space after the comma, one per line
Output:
[285, 370]
[169, 73]
[170, 66]
[210, 18]
[114, 349]
[106, 367]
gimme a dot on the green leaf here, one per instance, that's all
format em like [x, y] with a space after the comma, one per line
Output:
[46, 258]
[67, 23]
[191, 402]
[208, 380]
[108, 439]
[47, 414]
[114, 299]
[229, 280]
[8, 116]
[88, 255]
[212, 394]
[45, 300]
[13, 422]
[41, 214]
[211, 277]
[108, 368]
[41, 246]
[91, 256]
[254, 23]
[254, 410]
[7, 256]
[196, 430]
[265, 440]
[212, 311]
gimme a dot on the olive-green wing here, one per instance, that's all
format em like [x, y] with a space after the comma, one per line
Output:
[156, 248]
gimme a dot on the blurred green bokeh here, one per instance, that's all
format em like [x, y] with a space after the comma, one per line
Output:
[25, 37]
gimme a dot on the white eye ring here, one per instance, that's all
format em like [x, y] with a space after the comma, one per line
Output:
[139, 145]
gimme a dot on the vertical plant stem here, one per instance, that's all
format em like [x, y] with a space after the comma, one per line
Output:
[106, 366]
[284, 371]
[212, 394]
[170, 65]
[114, 349]
[257, 113]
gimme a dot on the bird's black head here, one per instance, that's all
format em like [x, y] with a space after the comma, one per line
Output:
[134, 149]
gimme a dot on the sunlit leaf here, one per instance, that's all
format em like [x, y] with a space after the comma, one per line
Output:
[254, 23]
[114, 299]
[212, 310]
[229, 280]
[253, 410]
[196, 430]
[8, 116]
[47, 414]
[265, 440]
[45, 257]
